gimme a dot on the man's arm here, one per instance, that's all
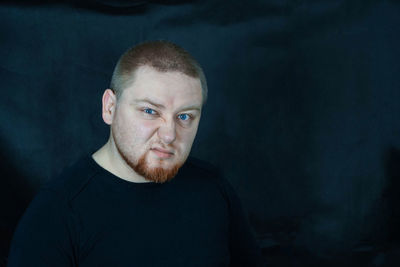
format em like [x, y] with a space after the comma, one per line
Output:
[45, 235]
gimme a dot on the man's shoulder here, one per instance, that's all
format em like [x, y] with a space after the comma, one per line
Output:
[200, 172]
[201, 168]
[72, 179]
[206, 173]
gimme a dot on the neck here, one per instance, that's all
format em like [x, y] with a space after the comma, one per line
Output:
[110, 159]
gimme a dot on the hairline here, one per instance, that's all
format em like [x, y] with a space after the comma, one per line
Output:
[129, 78]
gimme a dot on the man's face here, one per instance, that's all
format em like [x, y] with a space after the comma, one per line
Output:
[155, 122]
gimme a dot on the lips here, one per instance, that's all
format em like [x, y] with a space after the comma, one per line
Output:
[162, 153]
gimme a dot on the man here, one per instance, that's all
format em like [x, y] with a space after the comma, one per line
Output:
[127, 204]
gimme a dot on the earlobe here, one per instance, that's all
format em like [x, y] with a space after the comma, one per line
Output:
[109, 104]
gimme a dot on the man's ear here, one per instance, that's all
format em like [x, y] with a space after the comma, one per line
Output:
[109, 104]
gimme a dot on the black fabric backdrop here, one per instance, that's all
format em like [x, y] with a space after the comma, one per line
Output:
[302, 115]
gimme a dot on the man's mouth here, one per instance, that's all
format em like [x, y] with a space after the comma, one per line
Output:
[162, 153]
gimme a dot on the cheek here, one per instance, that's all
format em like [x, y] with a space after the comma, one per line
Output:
[134, 130]
[187, 136]
[138, 132]
[146, 129]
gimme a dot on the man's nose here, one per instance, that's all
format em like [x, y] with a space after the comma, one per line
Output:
[167, 131]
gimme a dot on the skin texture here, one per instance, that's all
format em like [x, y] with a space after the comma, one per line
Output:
[153, 125]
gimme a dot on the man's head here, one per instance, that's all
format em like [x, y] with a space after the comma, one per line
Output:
[154, 108]
[163, 56]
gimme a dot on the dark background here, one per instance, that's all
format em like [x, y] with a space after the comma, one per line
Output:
[302, 116]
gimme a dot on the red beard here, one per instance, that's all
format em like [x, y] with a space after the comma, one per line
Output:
[157, 175]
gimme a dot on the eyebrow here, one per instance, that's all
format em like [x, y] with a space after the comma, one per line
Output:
[194, 107]
[150, 102]
[158, 105]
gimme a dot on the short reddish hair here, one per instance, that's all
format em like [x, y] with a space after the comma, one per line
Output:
[164, 56]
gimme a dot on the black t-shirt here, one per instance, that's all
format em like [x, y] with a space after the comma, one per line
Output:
[89, 217]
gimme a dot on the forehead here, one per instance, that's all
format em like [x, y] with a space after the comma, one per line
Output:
[169, 88]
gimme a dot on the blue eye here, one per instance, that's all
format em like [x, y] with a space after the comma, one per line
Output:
[150, 111]
[184, 117]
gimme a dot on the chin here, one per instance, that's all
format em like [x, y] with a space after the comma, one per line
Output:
[156, 169]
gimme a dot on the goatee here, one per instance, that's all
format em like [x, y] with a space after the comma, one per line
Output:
[158, 174]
